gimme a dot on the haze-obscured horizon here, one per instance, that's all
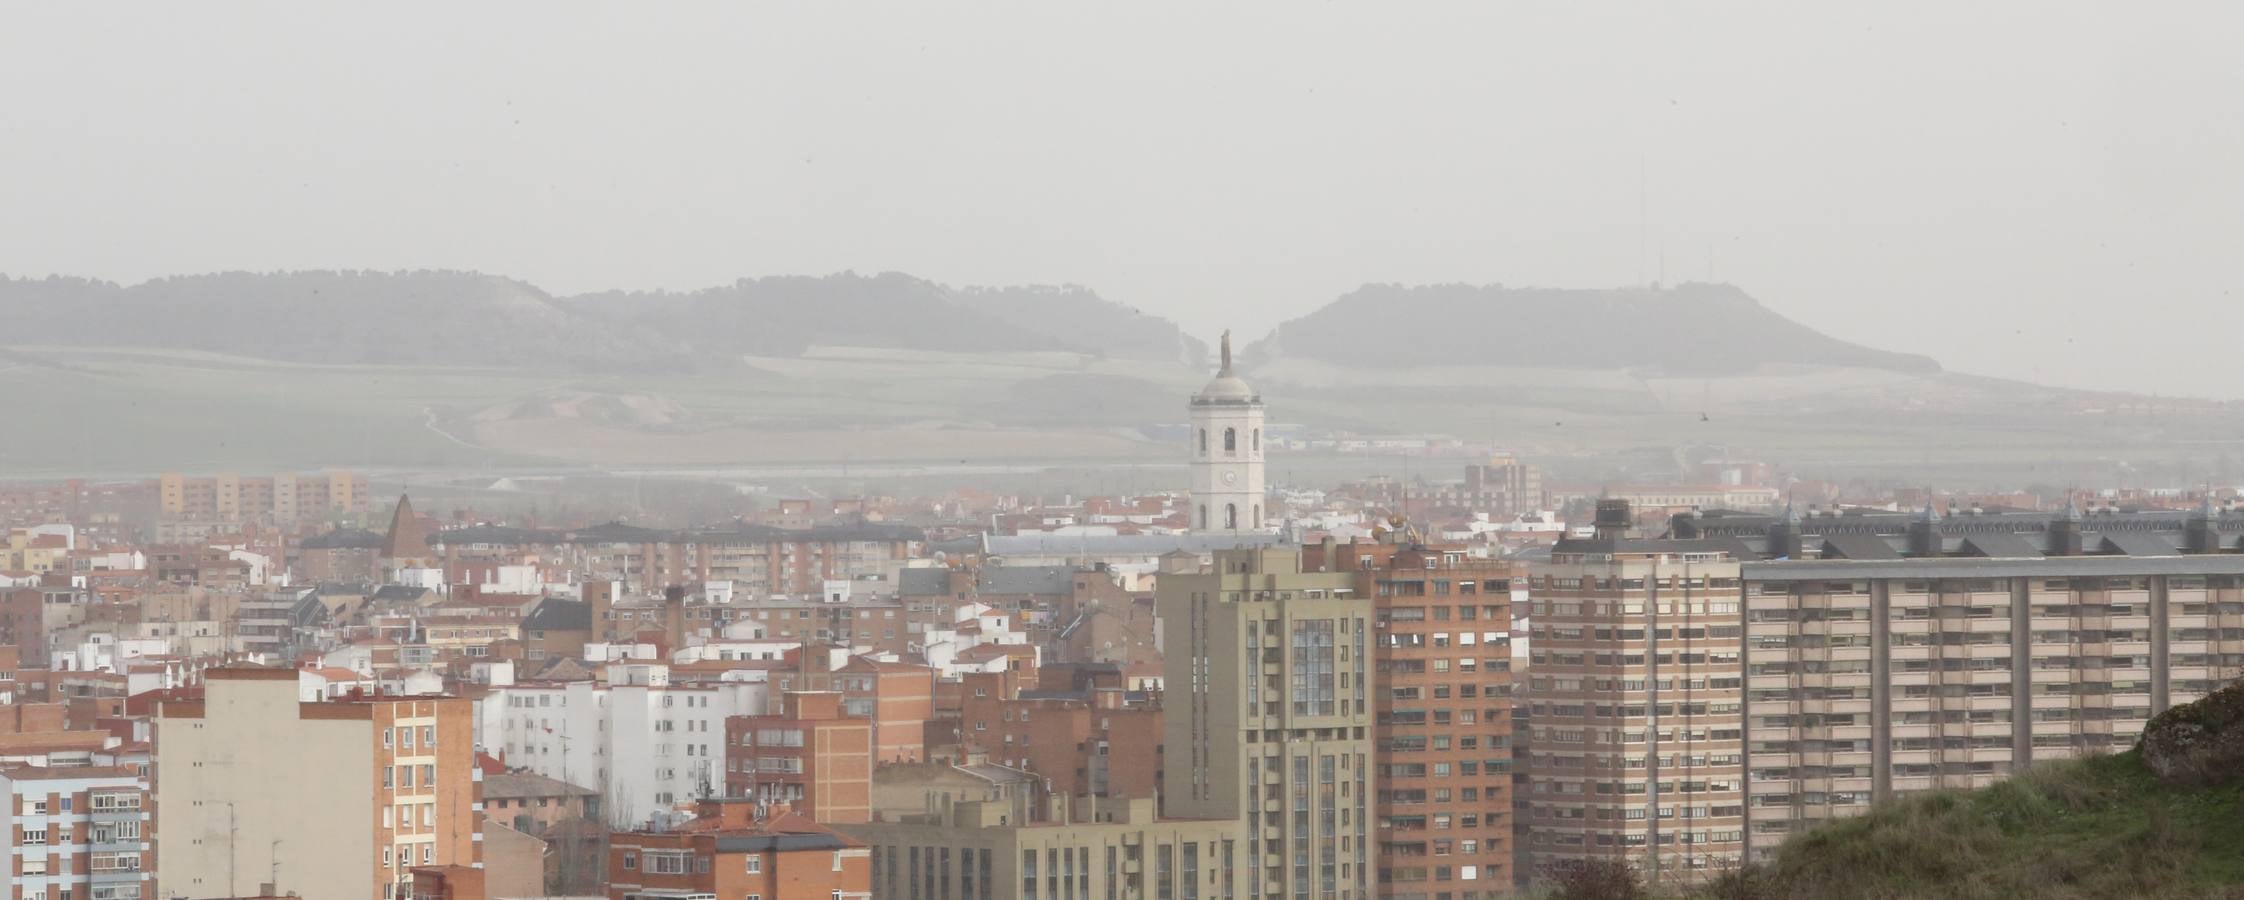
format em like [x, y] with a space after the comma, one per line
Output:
[2036, 191]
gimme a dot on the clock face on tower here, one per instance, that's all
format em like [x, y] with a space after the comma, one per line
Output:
[1230, 478]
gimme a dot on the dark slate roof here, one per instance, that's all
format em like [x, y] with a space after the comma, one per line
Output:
[493, 534]
[1999, 545]
[398, 592]
[2137, 543]
[1858, 546]
[759, 843]
[1075, 545]
[621, 533]
[923, 582]
[2001, 534]
[1027, 580]
[618, 533]
[1732, 546]
[308, 610]
[959, 545]
[342, 539]
[553, 614]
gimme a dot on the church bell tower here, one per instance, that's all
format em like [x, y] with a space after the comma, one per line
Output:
[1227, 485]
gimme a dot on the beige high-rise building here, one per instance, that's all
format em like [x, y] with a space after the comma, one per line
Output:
[1267, 673]
[1092, 848]
[1634, 694]
[1883, 653]
[282, 498]
[333, 801]
[1869, 678]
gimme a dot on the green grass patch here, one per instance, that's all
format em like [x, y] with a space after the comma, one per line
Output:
[2097, 827]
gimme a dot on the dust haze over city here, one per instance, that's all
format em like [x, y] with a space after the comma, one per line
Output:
[1441, 451]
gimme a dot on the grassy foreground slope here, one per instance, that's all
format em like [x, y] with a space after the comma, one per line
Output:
[2098, 827]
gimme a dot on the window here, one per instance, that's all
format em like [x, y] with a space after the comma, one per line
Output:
[1231, 516]
[755, 864]
[1231, 441]
[630, 860]
[1203, 442]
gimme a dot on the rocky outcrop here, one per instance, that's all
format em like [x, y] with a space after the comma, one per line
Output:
[2198, 743]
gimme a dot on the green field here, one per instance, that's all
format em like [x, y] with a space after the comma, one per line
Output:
[128, 411]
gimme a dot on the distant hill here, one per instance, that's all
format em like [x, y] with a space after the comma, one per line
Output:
[470, 319]
[783, 316]
[1076, 316]
[400, 318]
[1692, 329]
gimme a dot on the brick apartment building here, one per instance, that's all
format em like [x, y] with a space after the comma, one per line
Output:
[898, 697]
[761, 560]
[731, 850]
[335, 800]
[1442, 655]
[1077, 728]
[809, 757]
[1636, 692]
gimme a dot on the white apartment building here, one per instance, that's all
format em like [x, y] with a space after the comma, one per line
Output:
[642, 742]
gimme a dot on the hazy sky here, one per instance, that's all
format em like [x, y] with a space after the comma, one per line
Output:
[2032, 189]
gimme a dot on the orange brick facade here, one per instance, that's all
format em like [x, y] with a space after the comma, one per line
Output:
[809, 757]
[1443, 678]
